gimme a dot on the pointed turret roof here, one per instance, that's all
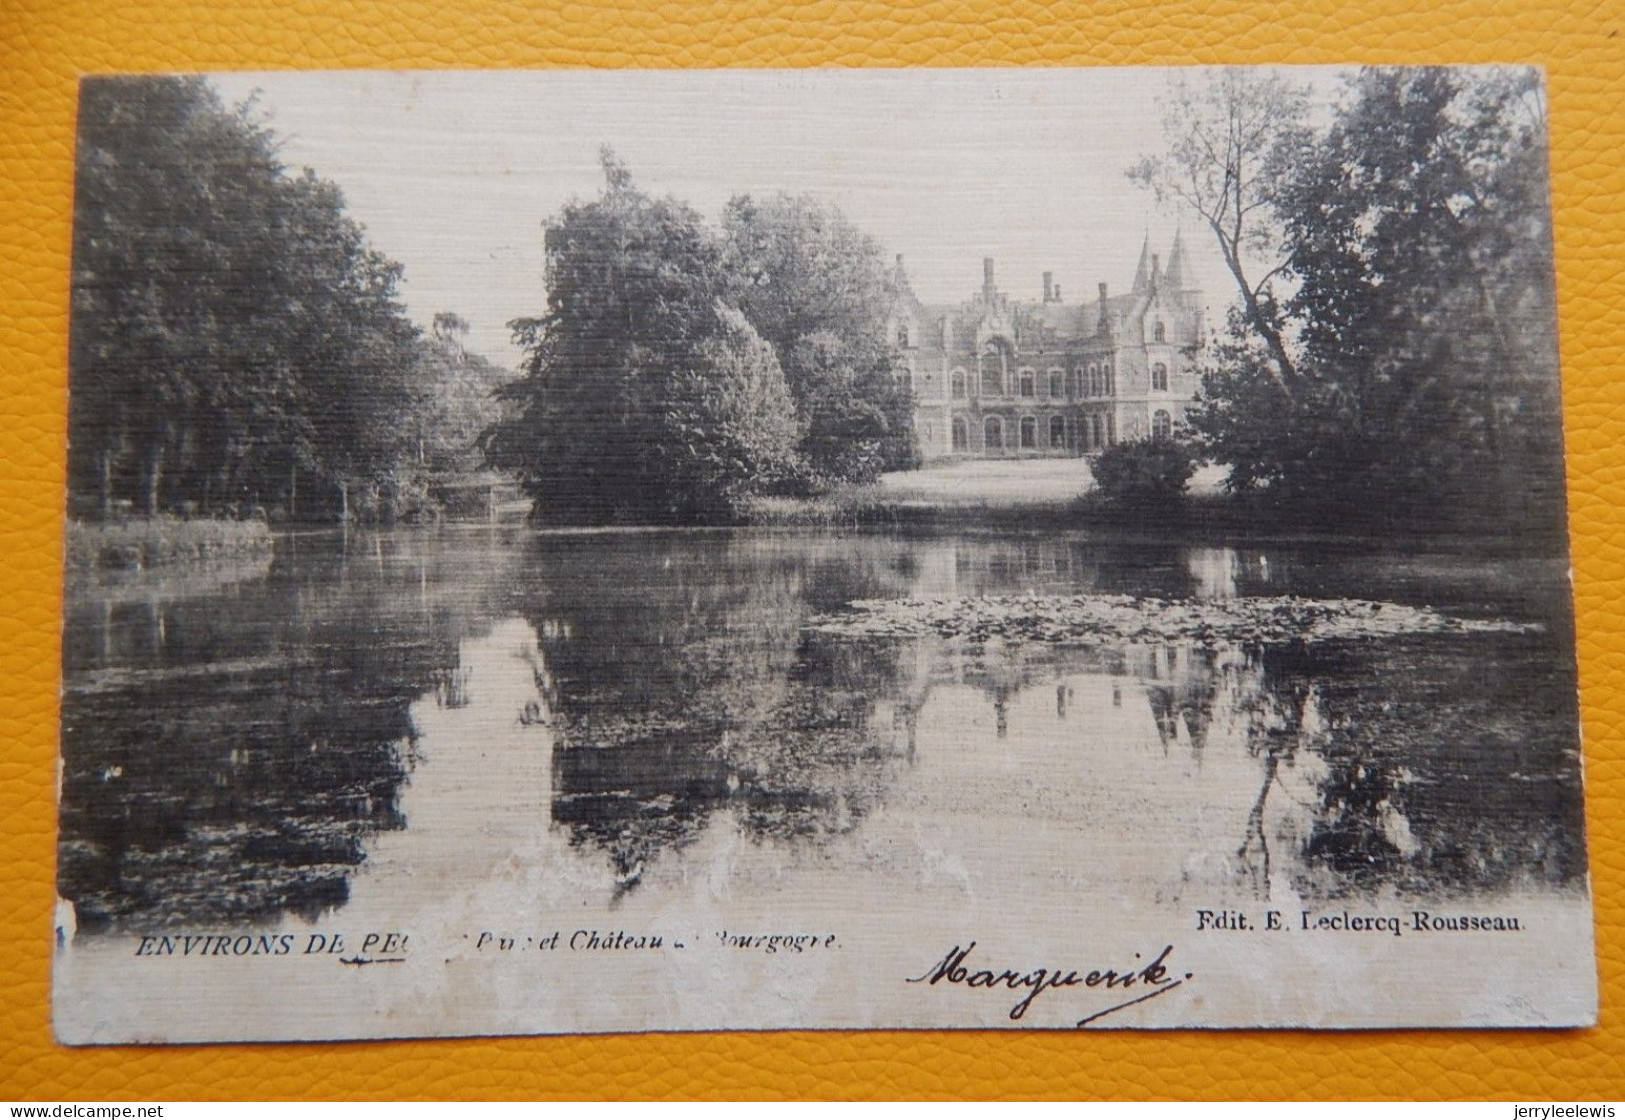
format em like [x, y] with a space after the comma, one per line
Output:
[1142, 275]
[900, 290]
[1178, 277]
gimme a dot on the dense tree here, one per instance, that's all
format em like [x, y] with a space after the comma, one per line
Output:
[849, 408]
[817, 289]
[1420, 239]
[645, 395]
[1146, 475]
[1412, 352]
[456, 400]
[236, 342]
[730, 429]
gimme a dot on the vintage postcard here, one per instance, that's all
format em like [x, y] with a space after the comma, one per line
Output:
[668, 551]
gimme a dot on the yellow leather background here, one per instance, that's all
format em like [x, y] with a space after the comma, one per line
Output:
[46, 44]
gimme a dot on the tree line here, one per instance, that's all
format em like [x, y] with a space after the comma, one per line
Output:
[680, 370]
[237, 345]
[1392, 349]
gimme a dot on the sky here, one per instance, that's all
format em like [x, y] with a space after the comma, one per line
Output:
[454, 174]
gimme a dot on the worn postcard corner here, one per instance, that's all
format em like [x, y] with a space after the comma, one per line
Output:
[654, 551]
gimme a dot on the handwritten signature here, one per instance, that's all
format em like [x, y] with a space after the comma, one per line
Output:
[1148, 980]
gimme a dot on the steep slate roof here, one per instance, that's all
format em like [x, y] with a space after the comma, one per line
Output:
[1178, 277]
[1142, 274]
[1068, 322]
[902, 292]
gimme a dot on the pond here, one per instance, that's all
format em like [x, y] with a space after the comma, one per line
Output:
[649, 718]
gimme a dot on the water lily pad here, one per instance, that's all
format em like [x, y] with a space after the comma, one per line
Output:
[1084, 619]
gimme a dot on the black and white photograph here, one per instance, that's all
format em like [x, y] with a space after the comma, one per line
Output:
[556, 552]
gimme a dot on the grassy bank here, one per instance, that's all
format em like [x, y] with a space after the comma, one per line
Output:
[143, 543]
[871, 508]
[1058, 495]
[995, 492]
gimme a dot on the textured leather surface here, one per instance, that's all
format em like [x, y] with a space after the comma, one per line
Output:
[46, 44]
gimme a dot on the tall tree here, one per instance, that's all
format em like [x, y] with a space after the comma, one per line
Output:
[457, 399]
[232, 328]
[817, 289]
[1231, 136]
[639, 379]
[1420, 240]
[1416, 230]
[165, 201]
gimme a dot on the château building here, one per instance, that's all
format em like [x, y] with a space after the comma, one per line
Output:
[996, 377]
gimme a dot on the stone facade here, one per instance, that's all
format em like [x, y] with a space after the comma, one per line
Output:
[995, 377]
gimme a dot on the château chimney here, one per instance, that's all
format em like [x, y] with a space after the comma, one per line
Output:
[1049, 287]
[1102, 307]
[899, 262]
[1156, 269]
[1057, 293]
[988, 291]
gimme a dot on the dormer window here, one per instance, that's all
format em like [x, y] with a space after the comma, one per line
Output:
[902, 334]
[1159, 332]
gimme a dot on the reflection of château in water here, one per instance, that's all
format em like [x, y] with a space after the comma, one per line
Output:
[688, 690]
[1062, 564]
[995, 377]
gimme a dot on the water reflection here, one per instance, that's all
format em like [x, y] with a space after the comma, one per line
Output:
[251, 747]
[228, 754]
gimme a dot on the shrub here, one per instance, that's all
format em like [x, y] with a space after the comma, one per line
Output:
[142, 543]
[1144, 472]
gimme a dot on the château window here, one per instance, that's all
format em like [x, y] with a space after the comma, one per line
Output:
[1110, 379]
[905, 377]
[1029, 432]
[1057, 432]
[1096, 383]
[994, 364]
[959, 384]
[1159, 332]
[993, 434]
[961, 440]
[902, 334]
[1055, 380]
[1027, 387]
[1162, 425]
[1100, 436]
[1159, 378]
[1072, 378]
